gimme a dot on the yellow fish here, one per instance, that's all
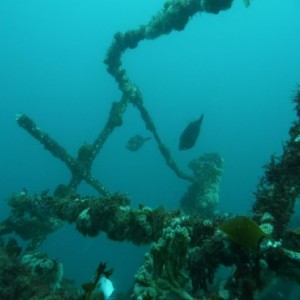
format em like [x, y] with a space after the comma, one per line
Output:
[243, 231]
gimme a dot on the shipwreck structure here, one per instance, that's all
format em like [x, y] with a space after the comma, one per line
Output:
[188, 245]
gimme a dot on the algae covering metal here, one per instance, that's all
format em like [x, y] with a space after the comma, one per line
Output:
[186, 248]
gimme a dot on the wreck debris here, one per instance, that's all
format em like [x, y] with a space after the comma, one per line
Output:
[202, 196]
[80, 167]
[187, 249]
[279, 188]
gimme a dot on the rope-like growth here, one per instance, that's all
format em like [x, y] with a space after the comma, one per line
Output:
[187, 250]
[80, 167]
[174, 16]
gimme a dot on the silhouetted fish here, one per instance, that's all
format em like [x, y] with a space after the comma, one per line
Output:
[190, 134]
[136, 142]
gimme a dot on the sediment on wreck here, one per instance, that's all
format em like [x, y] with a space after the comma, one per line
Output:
[186, 248]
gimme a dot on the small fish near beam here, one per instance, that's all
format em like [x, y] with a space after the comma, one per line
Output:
[136, 142]
[190, 134]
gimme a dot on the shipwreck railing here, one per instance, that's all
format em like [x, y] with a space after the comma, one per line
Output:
[187, 249]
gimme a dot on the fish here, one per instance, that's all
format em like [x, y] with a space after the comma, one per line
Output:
[100, 287]
[136, 142]
[190, 134]
[243, 231]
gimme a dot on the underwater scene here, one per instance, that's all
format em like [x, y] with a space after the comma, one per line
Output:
[150, 150]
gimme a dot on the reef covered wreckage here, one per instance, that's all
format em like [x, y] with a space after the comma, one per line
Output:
[188, 246]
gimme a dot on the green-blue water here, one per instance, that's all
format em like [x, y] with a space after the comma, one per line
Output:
[239, 68]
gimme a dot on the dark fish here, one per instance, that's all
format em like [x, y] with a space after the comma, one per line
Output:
[190, 134]
[136, 142]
